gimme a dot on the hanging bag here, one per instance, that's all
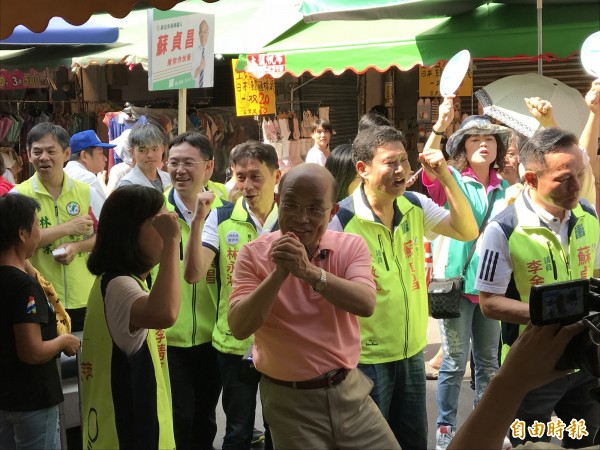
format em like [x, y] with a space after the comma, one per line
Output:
[445, 293]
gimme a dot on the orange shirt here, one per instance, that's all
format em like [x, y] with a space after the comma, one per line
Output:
[305, 335]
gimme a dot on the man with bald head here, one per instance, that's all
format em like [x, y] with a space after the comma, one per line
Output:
[300, 290]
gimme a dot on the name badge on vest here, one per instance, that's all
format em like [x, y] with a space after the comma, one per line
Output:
[232, 238]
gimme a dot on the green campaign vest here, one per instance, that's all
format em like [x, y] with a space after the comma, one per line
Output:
[235, 229]
[74, 281]
[398, 328]
[198, 311]
[219, 189]
[126, 400]
[538, 256]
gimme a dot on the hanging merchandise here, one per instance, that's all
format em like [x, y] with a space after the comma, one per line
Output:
[435, 110]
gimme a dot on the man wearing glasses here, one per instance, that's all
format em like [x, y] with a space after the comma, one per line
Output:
[300, 291]
[224, 233]
[195, 378]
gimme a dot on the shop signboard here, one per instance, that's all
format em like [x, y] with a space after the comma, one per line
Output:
[260, 64]
[15, 79]
[429, 81]
[180, 50]
[253, 96]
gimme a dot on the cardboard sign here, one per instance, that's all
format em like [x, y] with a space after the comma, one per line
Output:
[429, 82]
[253, 97]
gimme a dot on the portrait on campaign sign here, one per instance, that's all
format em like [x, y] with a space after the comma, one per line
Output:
[181, 50]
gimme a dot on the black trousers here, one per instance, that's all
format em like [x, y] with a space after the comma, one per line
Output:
[195, 388]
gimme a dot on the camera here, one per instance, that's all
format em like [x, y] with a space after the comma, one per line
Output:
[567, 303]
[564, 303]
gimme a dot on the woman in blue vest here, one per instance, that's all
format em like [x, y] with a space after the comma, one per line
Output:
[475, 150]
[126, 393]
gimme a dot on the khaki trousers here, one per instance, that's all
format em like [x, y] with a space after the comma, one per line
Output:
[341, 417]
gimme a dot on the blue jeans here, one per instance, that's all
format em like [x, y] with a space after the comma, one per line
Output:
[30, 429]
[239, 403]
[455, 334]
[399, 392]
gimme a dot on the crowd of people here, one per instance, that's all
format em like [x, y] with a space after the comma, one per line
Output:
[307, 287]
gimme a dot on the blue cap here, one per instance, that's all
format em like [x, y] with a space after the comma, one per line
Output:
[86, 139]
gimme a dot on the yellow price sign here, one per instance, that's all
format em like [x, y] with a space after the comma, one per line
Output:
[429, 82]
[253, 96]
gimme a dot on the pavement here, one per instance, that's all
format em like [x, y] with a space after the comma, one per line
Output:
[465, 404]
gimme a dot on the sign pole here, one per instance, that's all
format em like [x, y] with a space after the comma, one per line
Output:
[182, 112]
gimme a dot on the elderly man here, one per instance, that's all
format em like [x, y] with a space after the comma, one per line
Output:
[300, 290]
[202, 59]
[548, 235]
[69, 209]
[88, 160]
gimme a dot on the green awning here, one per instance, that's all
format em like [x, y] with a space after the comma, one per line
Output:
[318, 10]
[510, 31]
[356, 45]
[490, 31]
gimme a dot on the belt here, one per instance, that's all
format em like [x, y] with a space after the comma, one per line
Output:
[330, 379]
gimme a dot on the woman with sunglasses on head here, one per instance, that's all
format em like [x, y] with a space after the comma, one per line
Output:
[475, 150]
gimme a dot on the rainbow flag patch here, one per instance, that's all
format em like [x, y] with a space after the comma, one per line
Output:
[31, 308]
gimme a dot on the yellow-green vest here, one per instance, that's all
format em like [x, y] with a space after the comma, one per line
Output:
[398, 328]
[198, 311]
[126, 400]
[73, 281]
[537, 255]
[219, 189]
[235, 228]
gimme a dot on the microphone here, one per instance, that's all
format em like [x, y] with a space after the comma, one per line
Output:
[323, 255]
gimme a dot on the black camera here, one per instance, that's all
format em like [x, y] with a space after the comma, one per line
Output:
[564, 303]
[567, 303]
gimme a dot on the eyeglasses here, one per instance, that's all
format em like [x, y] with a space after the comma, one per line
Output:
[186, 164]
[311, 211]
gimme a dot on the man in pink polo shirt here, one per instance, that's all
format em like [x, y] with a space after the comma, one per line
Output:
[300, 290]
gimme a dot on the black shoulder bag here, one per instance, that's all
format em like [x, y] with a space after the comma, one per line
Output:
[445, 293]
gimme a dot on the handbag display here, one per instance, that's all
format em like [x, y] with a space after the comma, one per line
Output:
[445, 293]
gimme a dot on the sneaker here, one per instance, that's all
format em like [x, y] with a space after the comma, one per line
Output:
[443, 436]
[257, 437]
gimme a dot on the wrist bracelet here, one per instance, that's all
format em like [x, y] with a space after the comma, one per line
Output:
[439, 133]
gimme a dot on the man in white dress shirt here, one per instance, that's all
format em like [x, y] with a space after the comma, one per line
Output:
[202, 59]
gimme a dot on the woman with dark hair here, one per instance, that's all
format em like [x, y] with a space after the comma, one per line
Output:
[29, 344]
[341, 166]
[126, 392]
[475, 150]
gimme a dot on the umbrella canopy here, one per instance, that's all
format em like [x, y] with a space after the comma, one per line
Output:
[356, 45]
[491, 31]
[500, 31]
[61, 32]
[504, 100]
[35, 14]
[318, 10]
[239, 28]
